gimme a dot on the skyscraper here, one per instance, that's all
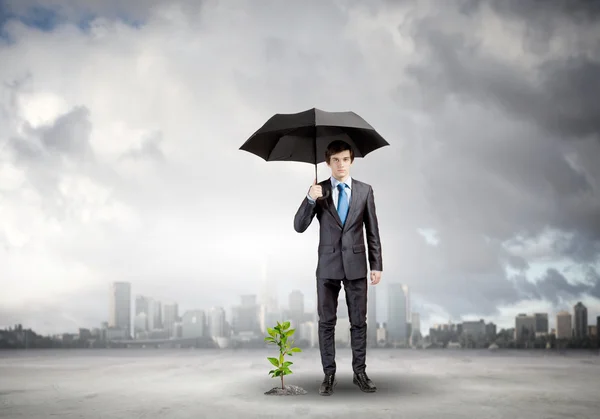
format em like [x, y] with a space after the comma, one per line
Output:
[564, 328]
[246, 316]
[541, 322]
[141, 313]
[524, 327]
[580, 317]
[216, 322]
[192, 324]
[296, 302]
[171, 316]
[158, 314]
[397, 313]
[120, 307]
[416, 327]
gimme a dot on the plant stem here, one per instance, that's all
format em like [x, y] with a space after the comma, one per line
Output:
[282, 387]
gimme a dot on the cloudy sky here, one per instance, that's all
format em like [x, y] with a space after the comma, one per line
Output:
[120, 129]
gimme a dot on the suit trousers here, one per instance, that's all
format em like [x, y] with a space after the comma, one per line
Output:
[328, 291]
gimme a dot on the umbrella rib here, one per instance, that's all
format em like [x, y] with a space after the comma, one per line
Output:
[288, 132]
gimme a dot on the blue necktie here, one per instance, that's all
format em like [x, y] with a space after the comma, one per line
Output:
[342, 207]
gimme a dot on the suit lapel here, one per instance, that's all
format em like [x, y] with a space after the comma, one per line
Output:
[331, 205]
[355, 202]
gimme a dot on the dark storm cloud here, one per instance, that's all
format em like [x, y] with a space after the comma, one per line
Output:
[564, 101]
[554, 287]
[499, 168]
[582, 247]
[593, 278]
[546, 14]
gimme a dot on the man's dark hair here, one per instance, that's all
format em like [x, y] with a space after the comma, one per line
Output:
[336, 147]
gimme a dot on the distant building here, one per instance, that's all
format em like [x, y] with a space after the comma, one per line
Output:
[397, 314]
[491, 331]
[524, 327]
[309, 331]
[564, 328]
[382, 337]
[141, 313]
[170, 317]
[475, 329]
[296, 302]
[541, 323]
[157, 317]
[140, 324]
[415, 335]
[216, 322]
[192, 324]
[580, 320]
[246, 316]
[120, 307]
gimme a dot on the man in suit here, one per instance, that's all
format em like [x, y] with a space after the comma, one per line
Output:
[348, 206]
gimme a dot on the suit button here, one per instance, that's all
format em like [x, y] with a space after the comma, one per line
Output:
[343, 249]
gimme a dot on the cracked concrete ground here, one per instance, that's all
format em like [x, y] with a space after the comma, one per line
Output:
[182, 383]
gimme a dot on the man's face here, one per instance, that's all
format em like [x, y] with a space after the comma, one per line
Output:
[340, 164]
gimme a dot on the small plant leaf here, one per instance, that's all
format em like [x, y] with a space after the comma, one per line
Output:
[281, 336]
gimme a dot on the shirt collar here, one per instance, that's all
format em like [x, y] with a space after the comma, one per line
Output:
[335, 182]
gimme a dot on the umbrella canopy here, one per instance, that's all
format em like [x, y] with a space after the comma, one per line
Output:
[304, 136]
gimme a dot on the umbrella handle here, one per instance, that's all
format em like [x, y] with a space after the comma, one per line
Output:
[325, 194]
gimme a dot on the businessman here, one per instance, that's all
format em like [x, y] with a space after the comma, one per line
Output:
[349, 207]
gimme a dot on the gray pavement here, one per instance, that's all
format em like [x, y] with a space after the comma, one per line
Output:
[182, 383]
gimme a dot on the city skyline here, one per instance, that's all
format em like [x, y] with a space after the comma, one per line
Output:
[126, 309]
[124, 164]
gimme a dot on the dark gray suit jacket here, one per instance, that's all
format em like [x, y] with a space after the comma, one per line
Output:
[341, 251]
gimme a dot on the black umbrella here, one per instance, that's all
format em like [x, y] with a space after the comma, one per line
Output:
[304, 136]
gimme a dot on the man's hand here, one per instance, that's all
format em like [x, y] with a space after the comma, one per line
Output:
[375, 277]
[316, 191]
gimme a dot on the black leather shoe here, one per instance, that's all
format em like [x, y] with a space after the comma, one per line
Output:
[364, 383]
[329, 382]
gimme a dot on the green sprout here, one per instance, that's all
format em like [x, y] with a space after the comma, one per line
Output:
[279, 335]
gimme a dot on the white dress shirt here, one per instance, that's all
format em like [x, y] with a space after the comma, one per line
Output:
[335, 193]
